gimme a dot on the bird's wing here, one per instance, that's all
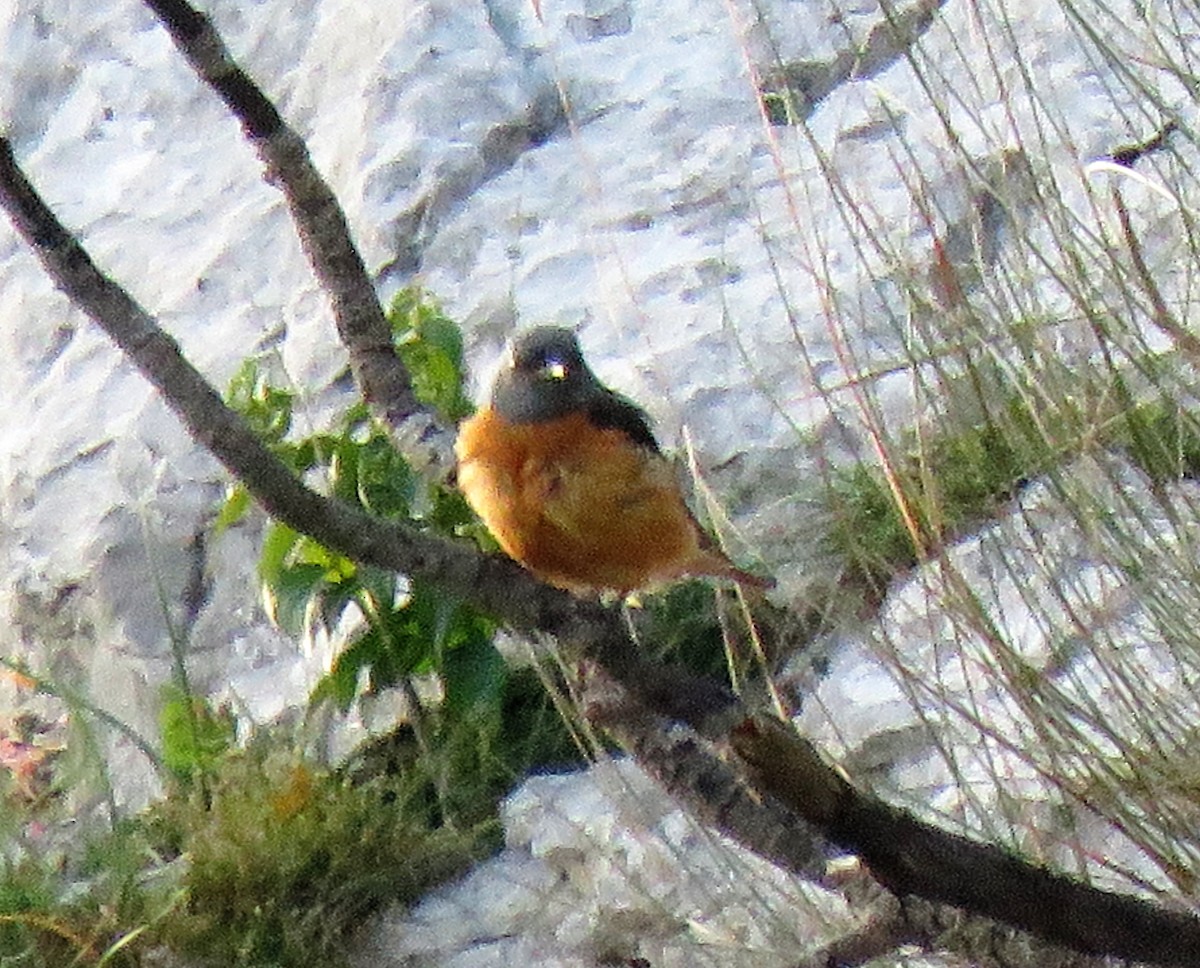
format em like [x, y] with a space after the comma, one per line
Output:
[613, 412]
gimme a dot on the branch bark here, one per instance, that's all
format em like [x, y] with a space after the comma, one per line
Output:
[912, 858]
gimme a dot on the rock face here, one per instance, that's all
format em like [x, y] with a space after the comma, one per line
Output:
[599, 870]
[784, 292]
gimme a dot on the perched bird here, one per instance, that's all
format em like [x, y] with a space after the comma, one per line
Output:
[570, 481]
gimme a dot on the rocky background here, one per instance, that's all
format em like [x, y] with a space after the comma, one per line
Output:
[603, 164]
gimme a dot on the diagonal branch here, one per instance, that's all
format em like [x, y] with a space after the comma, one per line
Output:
[913, 858]
[320, 222]
[503, 586]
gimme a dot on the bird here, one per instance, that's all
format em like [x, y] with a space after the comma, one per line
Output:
[567, 476]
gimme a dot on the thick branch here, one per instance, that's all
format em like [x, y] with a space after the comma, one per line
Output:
[910, 857]
[690, 769]
[795, 805]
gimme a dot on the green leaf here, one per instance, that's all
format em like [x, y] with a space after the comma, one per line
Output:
[430, 344]
[379, 585]
[277, 547]
[340, 684]
[343, 470]
[266, 408]
[474, 675]
[300, 576]
[309, 551]
[234, 508]
[386, 482]
[288, 599]
[240, 391]
[194, 735]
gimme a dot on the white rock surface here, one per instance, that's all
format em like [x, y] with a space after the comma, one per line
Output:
[976, 680]
[598, 866]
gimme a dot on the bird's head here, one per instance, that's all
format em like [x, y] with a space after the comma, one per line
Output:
[543, 377]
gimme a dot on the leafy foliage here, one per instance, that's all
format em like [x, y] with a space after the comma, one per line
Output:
[489, 725]
[257, 857]
[425, 633]
[430, 344]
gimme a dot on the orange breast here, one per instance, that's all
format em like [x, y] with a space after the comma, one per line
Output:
[581, 507]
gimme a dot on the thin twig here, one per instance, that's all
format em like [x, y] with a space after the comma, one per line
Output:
[1162, 317]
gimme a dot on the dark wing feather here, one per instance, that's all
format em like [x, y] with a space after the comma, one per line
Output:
[613, 412]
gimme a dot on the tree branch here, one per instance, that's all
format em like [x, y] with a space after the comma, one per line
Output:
[912, 858]
[320, 222]
[692, 770]
[495, 583]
